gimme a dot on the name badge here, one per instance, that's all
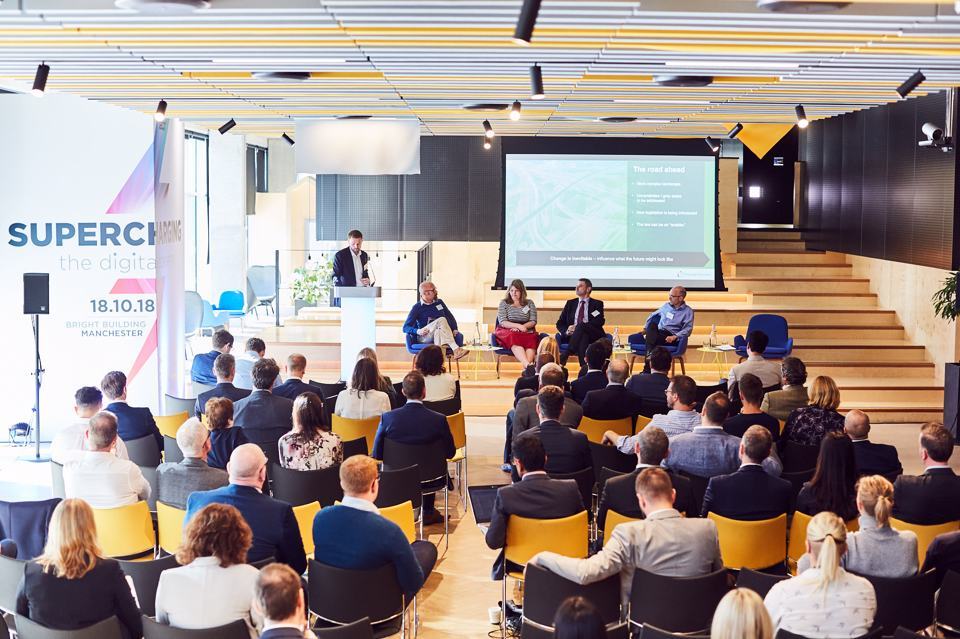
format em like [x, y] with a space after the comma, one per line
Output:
[595, 313]
[525, 310]
[669, 316]
[439, 307]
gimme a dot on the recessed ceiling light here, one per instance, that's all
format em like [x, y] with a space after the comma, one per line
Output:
[163, 7]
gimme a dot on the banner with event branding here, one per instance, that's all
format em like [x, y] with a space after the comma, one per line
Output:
[77, 182]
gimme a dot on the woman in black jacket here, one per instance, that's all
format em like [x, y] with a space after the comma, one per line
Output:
[833, 487]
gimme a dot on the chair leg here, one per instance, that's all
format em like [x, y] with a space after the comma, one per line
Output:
[503, 603]
[466, 484]
[683, 366]
[633, 358]
[446, 518]
[497, 357]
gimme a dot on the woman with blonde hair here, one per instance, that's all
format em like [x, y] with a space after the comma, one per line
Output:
[550, 345]
[741, 615]
[517, 324]
[809, 424]
[72, 585]
[824, 601]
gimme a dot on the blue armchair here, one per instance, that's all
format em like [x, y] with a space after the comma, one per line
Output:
[775, 327]
[231, 302]
[677, 350]
[213, 319]
[414, 347]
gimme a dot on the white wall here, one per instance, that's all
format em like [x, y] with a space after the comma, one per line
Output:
[227, 217]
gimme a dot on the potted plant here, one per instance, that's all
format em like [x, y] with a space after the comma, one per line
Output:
[945, 300]
[312, 284]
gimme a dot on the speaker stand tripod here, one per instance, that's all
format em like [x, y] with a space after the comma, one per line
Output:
[37, 379]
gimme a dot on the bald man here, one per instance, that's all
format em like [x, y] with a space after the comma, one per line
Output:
[275, 530]
[614, 401]
[669, 323]
[871, 459]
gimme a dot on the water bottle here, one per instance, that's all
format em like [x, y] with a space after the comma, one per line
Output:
[616, 337]
[713, 341]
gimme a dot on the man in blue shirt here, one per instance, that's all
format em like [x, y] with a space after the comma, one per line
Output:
[431, 322]
[668, 323]
[202, 369]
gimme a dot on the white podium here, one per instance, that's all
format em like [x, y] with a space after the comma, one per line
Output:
[358, 323]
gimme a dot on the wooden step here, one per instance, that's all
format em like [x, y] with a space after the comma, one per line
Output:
[863, 351]
[779, 257]
[612, 299]
[768, 234]
[737, 317]
[823, 299]
[797, 285]
[787, 245]
[786, 268]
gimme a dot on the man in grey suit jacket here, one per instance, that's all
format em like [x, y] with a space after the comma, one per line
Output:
[175, 481]
[664, 543]
[525, 416]
[263, 416]
[793, 395]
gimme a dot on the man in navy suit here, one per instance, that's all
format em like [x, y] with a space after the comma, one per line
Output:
[275, 530]
[294, 385]
[263, 416]
[934, 496]
[350, 264]
[414, 423]
[132, 422]
[652, 386]
[595, 378]
[581, 321]
[201, 371]
[224, 367]
[614, 401]
[567, 449]
[279, 597]
[871, 458]
[750, 494]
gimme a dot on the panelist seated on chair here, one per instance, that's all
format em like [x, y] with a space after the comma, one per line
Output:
[88, 401]
[536, 496]
[293, 384]
[567, 450]
[430, 321]
[414, 423]
[132, 422]
[354, 536]
[363, 398]
[581, 321]
[275, 530]
[652, 386]
[871, 458]
[263, 416]
[440, 384]
[664, 543]
[672, 321]
[517, 324]
[279, 598]
[97, 475]
[176, 480]
[768, 371]
[224, 367]
[595, 378]
[613, 401]
[934, 496]
[201, 370]
[681, 395]
[750, 389]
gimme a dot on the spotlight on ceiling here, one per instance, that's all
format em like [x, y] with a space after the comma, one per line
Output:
[515, 110]
[713, 144]
[288, 139]
[617, 119]
[281, 76]
[490, 107]
[40, 79]
[536, 82]
[683, 80]
[911, 83]
[800, 6]
[486, 144]
[226, 126]
[526, 22]
[161, 113]
[735, 131]
[802, 120]
[356, 116]
[487, 129]
[163, 7]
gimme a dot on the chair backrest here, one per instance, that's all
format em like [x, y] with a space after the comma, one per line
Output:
[356, 446]
[354, 428]
[174, 405]
[328, 390]
[126, 531]
[304, 515]
[605, 475]
[613, 519]
[156, 630]
[752, 544]
[262, 281]
[169, 424]
[360, 629]
[11, 572]
[143, 451]
[948, 612]
[759, 582]
[56, 477]
[230, 301]
[526, 537]
[151, 476]
[698, 486]
[341, 596]
[906, 602]
[170, 523]
[298, 487]
[106, 629]
[171, 450]
[925, 534]
[400, 485]
[797, 542]
[458, 428]
[798, 479]
[445, 406]
[609, 457]
[798, 457]
[595, 428]
[402, 515]
[652, 632]
[585, 481]
[146, 577]
[774, 326]
[193, 312]
[642, 422]
[430, 459]
[676, 604]
[703, 392]
[544, 592]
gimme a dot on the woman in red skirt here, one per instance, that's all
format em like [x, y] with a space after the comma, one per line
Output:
[517, 319]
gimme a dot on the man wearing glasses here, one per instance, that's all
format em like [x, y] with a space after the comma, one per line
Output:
[668, 323]
[431, 322]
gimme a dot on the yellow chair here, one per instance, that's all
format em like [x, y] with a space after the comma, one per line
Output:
[852, 525]
[613, 519]
[751, 544]
[170, 523]
[168, 424]
[925, 534]
[642, 423]
[350, 429]
[305, 515]
[782, 424]
[458, 428]
[595, 428]
[126, 531]
[797, 542]
[402, 515]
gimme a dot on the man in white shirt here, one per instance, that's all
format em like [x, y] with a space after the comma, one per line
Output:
[88, 401]
[279, 598]
[767, 370]
[254, 351]
[97, 475]
[682, 418]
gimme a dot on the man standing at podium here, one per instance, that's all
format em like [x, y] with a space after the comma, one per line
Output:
[431, 322]
[351, 266]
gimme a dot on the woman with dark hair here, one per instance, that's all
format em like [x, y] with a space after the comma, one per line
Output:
[362, 399]
[310, 445]
[577, 618]
[218, 413]
[440, 384]
[214, 585]
[833, 487]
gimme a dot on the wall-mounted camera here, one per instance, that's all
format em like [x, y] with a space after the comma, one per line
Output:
[935, 138]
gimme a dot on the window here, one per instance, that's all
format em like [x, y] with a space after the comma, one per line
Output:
[196, 219]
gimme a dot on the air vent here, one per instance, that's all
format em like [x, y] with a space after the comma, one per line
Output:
[683, 80]
[800, 6]
[163, 7]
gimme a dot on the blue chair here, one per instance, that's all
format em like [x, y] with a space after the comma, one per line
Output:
[500, 352]
[213, 320]
[414, 347]
[231, 302]
[677, 350]
[775, 327]
[563, 340]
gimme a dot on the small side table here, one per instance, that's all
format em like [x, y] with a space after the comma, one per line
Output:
[477, 351]
[719, 358]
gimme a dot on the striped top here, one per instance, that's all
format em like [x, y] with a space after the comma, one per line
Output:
[510, 313]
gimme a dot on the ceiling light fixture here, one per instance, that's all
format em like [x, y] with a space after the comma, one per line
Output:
[288, 139]
[487, 129]
[281, 76]
[161, 113]
[800, 6]
[40, 79]
[911, 83]
[713, 144]
[486, 144]
[683, 80]
[226, 126]
[536, 83]
[163, 7]
[515, 110]
[490, 107]
[526, 22]
[735, 131]
[802, 120]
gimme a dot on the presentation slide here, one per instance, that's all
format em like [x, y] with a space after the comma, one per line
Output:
[624, 221]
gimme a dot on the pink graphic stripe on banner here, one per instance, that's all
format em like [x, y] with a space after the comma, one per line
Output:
[148, 348]
[132, 286]
[138, 189]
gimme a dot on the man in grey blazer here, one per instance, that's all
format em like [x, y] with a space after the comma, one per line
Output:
[176, 480]
[263, 416]
[664, 543]
[793, 395]
[525, 416]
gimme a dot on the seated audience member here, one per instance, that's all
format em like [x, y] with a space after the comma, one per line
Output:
[871, 458]
[581, 322]
[793, 395]
[214, 585]
[88, 402]
[751, 395]
[672, 321]
[531, 382]
[607, 346]
[749, 494]
[201, 371]
[577, 618]
[383, 382]
[430, 321]
[97, 475]
[524, 415]
[682, 418]
[176, 480]
[224, 436]
[567, 449]
[664, 542]
[440, 384]
[362, 399]
[254, 351]
[293, 384]
[943, 555]
[595, 378]
[549, 345]
[71, 585]
[310, 445]
[741, 615]
[275, 530]
[517, 324]
[224, 367]
[132, 423]
[614, 401]
[825, 601]
[263, 416]
[279, 599]
[535, 496]
[833, 486]
[768, 371]
[934, 496]
[620, 493]
[414, 423]
[652, 386]
[353, 535]
[809, 424]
